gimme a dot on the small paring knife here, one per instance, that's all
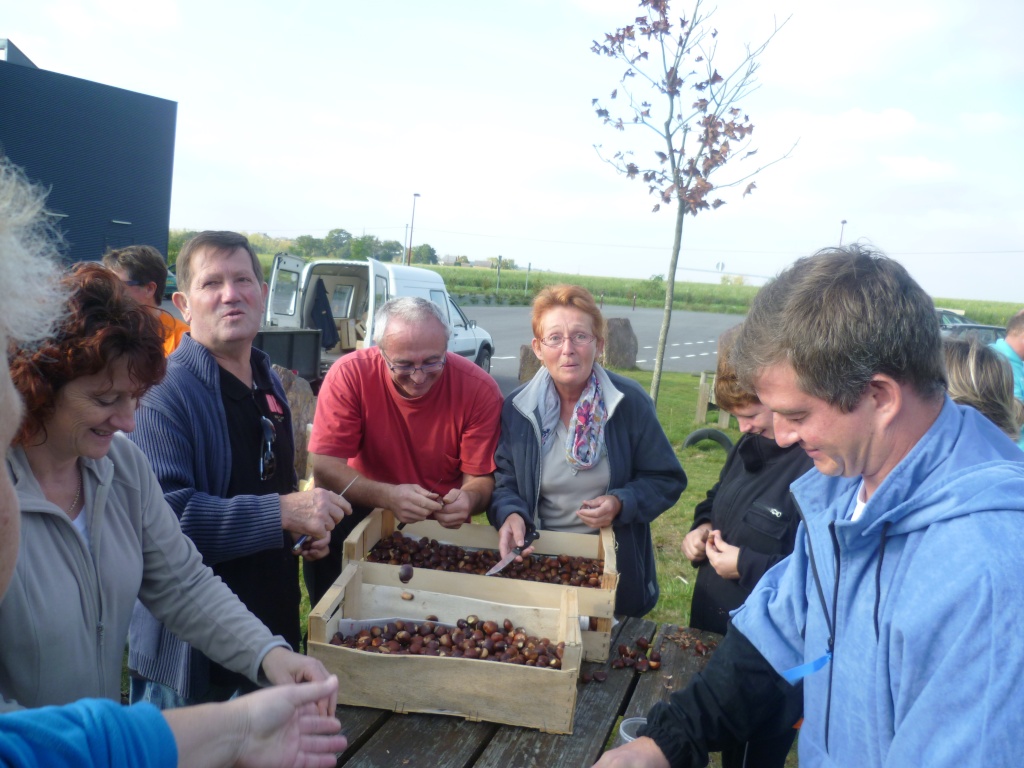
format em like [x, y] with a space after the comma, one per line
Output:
[531, 536]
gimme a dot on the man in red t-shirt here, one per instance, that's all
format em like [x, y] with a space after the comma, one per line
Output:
[404, 426]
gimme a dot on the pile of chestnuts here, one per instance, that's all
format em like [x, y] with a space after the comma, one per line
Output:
[398, 549]
[639, 658]
[469, 638]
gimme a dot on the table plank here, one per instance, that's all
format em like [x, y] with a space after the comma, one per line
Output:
[680, 660]
[439, 741]
[598, 706]
[359, 724]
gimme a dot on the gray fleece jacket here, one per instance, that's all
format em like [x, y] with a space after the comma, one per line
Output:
[64, 619]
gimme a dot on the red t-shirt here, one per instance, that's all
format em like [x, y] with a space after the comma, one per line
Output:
[430, 440]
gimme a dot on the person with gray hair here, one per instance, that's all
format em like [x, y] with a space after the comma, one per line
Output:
[276, 726]
[899, 606]
[405, 426]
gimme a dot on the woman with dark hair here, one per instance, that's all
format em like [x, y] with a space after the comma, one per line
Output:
[746, 525]
[96, 532]
[581, 448]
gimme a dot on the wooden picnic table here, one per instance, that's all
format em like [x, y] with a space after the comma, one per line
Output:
[385, 739]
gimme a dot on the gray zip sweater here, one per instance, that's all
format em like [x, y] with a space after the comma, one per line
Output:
[64, 619]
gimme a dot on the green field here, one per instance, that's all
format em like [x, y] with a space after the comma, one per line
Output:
[479, 285]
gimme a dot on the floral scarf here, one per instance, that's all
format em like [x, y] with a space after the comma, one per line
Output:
[584, 443]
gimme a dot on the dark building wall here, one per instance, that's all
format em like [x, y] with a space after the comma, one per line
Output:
[106, 154]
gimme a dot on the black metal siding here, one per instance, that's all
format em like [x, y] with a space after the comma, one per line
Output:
[106, 154]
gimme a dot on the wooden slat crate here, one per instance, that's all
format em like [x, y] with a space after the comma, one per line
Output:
[596, 603]
[477, 690]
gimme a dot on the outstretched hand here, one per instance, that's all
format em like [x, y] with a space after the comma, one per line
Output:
[284, 728]
[283, 666]
[273, 727]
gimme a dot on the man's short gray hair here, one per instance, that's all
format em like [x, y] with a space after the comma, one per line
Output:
[31, 300]
[838, 318]
[411, 309]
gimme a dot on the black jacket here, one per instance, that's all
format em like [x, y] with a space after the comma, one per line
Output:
[736, 696]
[752, 507]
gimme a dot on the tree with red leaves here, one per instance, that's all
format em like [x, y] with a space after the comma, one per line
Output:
[694, 142]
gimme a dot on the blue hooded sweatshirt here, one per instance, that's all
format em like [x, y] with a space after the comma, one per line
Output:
[921, 601]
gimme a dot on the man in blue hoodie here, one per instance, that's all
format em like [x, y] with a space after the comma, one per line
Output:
[900, 605]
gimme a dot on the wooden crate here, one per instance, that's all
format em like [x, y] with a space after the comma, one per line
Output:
[477, 690]
[595, 603]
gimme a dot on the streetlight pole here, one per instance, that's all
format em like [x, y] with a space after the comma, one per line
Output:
[412, 223]
[842, 226]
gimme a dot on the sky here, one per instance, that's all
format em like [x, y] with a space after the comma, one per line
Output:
[297, 118]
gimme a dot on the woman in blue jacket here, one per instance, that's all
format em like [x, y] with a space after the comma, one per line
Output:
[581, 448]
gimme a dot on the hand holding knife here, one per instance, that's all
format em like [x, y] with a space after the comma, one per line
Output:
[531, 536]
[440, 500]
[297, 548]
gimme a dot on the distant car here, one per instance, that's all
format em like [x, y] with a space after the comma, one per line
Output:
[172, 282]
[986, 334]
[948, 317]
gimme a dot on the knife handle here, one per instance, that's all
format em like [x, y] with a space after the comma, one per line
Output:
[531, 536]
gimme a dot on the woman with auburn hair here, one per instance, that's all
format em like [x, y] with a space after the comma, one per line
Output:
[94, 514]
[746, 525]
[273, 727]
[581, 448]
[980, 377]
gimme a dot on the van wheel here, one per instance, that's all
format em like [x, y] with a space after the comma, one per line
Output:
[483, 359]
[708, 434]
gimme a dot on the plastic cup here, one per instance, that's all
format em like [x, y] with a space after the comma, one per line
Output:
[630, 727]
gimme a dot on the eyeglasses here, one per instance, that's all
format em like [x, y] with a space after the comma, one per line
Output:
[556, 340]
[132, 283]
[409, 370]
[268, 461]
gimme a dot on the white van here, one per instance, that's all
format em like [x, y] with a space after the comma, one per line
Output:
[354, 291]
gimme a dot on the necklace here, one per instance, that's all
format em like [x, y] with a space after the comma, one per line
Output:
[78, 495]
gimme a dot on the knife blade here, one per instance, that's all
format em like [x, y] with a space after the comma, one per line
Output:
[531, 536]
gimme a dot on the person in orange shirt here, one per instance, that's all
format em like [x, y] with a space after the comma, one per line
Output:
[143, 271]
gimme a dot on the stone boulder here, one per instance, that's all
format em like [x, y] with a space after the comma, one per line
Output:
[302, 402]
[620, 346]
[528, 363]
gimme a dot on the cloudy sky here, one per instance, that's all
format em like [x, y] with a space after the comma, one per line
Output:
[296, 118]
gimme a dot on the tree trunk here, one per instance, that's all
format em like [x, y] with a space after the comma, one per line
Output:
[670, 292]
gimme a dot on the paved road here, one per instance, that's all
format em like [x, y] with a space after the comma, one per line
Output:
[692, 339]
